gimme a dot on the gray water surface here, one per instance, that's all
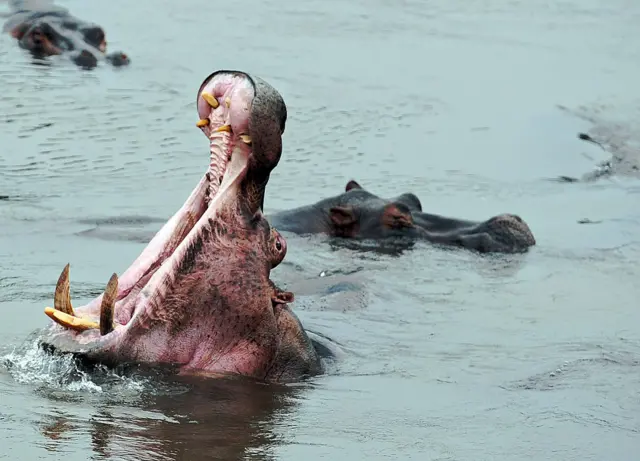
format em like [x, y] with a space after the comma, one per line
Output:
[443, 354]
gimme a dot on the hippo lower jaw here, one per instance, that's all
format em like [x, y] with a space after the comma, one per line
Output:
[199, 295]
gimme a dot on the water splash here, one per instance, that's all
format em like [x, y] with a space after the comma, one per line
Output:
[30, 364]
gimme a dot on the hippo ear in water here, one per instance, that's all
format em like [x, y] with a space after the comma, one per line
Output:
[396, 216]
[411, 200]
[344, 220]
[352, 185]
[19, 31]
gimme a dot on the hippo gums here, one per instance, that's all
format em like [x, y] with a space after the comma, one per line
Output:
[45, 29]
[199, 296]
[359, 214]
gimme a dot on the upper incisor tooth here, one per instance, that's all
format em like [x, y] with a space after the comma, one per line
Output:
[202, 123]
[61, 297]
[213, 102]
[246, 138]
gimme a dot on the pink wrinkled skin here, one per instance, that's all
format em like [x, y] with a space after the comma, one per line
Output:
[199, 294]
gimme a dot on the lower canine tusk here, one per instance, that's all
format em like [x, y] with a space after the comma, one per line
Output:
[69, 321]
[61, 297]
[107, 306]
[202, 123]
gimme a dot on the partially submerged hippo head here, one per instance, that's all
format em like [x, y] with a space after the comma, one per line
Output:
[48, 32]
[199, 296]
[360, 214]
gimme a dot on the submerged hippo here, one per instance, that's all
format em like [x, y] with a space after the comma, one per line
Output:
[357, 213]
[199, 296]
[45, 29]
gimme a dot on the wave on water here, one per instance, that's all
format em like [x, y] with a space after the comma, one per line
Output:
[31, 365]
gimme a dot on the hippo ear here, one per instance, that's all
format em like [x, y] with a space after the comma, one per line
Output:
[344, 220]
[411, 200]
[18, 32]
[397, 215]
[352, 185]
[282, 297]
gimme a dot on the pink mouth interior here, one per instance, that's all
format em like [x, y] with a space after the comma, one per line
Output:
[147, 280]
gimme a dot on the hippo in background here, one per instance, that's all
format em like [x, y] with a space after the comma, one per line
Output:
[45, 29]
[360, 214]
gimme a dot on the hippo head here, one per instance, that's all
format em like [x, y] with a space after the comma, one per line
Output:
[358, 213]
[199, 296]
[53, 34]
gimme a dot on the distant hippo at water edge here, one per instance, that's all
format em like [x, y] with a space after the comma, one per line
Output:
[624, 161]
[359, 214]
[45, 29]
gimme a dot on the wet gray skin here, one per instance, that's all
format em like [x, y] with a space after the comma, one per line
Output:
[199, 297]
[360, 214]
[45, 29]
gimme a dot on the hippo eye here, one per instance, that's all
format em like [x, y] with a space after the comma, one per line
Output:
[278, 245]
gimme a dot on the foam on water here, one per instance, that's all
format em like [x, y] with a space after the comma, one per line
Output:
[30, 364]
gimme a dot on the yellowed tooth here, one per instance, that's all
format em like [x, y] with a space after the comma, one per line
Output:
[213, 102]
[61, 298]
[224, 128]
[246, 138]
[227, 102]
[202, 123]
[69, 321]
[107, 306]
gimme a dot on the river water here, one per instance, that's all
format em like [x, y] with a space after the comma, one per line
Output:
[443, 354]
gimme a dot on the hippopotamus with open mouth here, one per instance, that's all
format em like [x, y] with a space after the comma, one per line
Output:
[359, 214]
[45, 29]
[199, 296]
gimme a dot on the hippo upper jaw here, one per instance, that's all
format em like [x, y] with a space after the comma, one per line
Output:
[199, 296]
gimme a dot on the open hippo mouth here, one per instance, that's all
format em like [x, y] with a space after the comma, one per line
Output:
[199, 296]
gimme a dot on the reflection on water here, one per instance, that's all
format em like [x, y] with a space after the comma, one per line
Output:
[442, 353]
[151, 414]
